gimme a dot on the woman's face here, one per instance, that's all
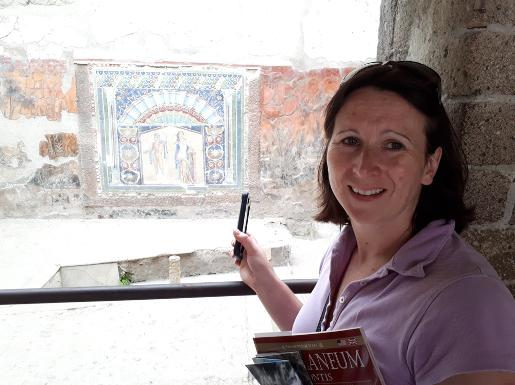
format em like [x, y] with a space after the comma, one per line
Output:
[377, 157]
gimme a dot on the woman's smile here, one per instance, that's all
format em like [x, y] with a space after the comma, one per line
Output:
[367, 195]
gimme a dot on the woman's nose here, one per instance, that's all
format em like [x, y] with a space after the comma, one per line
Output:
[367, 162]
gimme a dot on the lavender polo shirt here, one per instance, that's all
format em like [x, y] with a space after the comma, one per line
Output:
[436, 309]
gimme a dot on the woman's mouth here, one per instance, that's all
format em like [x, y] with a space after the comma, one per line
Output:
[367, 194]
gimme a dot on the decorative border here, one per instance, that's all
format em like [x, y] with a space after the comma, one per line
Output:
[242, 112]
[128, 99]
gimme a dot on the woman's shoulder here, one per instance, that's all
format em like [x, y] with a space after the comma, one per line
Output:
[462, 284]
[458, 260]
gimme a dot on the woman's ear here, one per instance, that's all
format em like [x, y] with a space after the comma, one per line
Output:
[432, 162]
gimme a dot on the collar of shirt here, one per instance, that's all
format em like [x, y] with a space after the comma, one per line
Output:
[422, 249]
[410, 259]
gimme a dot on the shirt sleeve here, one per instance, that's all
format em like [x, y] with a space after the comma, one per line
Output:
[468, 327]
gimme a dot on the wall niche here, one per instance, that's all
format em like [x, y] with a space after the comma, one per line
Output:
[166, 131]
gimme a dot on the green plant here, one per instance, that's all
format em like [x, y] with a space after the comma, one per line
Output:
[126, 278]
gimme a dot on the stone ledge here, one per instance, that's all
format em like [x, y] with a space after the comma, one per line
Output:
[213, 261]
[199, 262]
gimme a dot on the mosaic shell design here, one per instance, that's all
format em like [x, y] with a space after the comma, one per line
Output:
[169, 129]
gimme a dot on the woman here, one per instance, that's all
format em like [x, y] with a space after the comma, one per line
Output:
[433, 309]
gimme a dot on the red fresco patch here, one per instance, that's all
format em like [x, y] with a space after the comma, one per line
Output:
[295, 100]
[290, 106]
[34, 88]
[268, 94]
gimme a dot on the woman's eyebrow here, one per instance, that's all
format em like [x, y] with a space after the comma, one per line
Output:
[397, 133]
[344, 130]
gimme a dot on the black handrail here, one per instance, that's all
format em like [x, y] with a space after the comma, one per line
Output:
[143, 292]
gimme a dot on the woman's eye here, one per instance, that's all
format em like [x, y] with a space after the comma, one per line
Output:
[350, 141]
[394, 146]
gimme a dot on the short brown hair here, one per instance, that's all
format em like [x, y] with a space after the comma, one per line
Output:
[419, 85]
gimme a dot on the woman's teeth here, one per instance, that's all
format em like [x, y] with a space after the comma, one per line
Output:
[367, 192]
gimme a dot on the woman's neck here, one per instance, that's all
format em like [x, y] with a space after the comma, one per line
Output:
[377, 244]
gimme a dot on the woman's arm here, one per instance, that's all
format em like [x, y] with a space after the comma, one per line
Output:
[481, 378]
[257, 272]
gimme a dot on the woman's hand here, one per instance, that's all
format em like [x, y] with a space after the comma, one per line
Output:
[257, 272]
[255, 269]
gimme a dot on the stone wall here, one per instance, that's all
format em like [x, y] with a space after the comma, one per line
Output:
[472, 45]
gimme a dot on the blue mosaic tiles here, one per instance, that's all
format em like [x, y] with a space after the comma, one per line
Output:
[164, 129]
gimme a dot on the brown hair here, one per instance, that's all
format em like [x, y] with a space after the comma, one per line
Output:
[419, 85]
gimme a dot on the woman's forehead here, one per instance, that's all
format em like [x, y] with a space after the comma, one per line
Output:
[379, 107]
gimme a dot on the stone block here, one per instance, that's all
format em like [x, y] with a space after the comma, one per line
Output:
[174, 269]
[479, 63]
[487, 132]
[444, 15]
[147, 269]
[55, 281]
[213, 261]
[498, 246]
[456, 112]
[280, 255]
[206, 261]
[386, 28]
[407, 26]
[489, 12]
[504, 264]
[102, 274]
[487, 191]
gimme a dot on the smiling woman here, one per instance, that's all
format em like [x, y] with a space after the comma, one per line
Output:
[376, 159]
[414, 101]
[393, 172]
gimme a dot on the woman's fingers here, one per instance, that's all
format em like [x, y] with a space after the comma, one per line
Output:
[247, 241]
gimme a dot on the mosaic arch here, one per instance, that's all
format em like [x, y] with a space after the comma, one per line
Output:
[163, 129]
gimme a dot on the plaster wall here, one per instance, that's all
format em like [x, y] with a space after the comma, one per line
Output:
[303, 33]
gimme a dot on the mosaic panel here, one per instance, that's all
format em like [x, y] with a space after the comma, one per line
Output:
[169, 129]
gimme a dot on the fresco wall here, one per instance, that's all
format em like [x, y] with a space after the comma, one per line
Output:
[51, 167]
[154, 136]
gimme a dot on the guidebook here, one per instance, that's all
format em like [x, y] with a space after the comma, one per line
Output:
[327, 358]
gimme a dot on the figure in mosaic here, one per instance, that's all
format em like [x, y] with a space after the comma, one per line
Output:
[158, 154]
[184, 160]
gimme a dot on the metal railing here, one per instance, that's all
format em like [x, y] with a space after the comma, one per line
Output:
[143, 292]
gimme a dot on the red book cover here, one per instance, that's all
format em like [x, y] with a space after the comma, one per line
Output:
[331, 358]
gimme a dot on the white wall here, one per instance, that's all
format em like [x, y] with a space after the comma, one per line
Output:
[303, 33]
